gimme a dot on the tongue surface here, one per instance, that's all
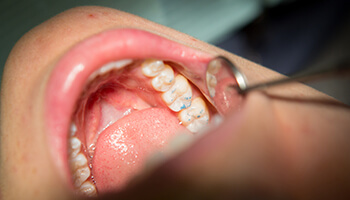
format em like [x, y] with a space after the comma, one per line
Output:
[123, 147]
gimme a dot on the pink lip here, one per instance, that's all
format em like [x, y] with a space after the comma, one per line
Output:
[73, 69]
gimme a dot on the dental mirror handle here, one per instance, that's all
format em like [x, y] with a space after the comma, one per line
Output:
[342, 68]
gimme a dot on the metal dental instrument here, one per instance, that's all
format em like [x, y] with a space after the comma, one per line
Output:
[341, 68]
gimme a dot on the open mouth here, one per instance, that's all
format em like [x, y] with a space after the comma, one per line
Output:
[120, 96]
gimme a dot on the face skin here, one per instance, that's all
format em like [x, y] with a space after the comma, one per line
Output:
[290, 141]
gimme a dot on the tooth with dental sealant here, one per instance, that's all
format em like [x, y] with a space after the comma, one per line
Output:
[151, 67]
[164, 80]
[213, 68]
[196, 116]
[179, 96]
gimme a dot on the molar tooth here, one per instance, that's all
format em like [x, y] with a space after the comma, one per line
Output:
[81, 175]
[151, 67]
[164, 80]
[79, 161]
[179, 96]
[196, 116]
[213, 68]
[75, 145]
[88, 189]
[211, 84]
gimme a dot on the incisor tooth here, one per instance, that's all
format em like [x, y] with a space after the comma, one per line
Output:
[75, 145]
[179, 96]
[78, 162]
[164, 80]
[81, 175]
[88, 189]
[151, 67]
[196, 116]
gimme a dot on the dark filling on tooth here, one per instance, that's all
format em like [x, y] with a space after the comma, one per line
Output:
[121, 120]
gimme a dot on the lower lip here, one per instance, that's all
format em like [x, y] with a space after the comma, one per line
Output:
[72, 71]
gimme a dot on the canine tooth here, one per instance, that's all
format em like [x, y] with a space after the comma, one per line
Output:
[179, 96]
[79, 161]
[196, 116]
[81, 175]
[164, 80]
[88, 189]
[151, 67]
[75, 145]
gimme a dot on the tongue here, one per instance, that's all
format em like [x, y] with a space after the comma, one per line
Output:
[121, 150]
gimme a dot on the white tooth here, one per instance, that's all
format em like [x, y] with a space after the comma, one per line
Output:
[78, 162]
[198, 124]
[214, 67]
[196, 116]
[75, 145]
[73, 129]
[211, 79]
[81, 175]
[164, 80]
[151, 67]
[109, 67]
[88, 189]
[211, 84]
[179, 96]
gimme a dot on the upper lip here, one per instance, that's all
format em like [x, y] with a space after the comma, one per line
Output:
[72, 71]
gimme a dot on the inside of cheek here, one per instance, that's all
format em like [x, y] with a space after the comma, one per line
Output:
[120, 120]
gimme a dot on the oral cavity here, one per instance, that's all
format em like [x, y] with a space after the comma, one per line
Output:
[129, 110]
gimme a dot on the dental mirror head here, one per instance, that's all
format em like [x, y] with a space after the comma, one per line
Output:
[239, 77]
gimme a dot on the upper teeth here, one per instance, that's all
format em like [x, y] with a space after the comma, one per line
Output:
[177, 94]
[196, 116]
[164, 80]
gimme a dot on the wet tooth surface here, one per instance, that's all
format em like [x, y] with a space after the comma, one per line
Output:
[196, 116]
[164, 80]
[81, 175]
[151, 67]
[179, 96]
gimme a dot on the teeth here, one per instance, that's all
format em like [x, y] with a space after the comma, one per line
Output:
[75, 145]
[179, 96]
[164, 80]
[78, 162]
[81, 175]
[152, 68]
[109, 67]
[196, 116]
[73, 129]
[213, 68]
[88, 189]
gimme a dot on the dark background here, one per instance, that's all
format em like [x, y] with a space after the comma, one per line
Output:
[291, 36]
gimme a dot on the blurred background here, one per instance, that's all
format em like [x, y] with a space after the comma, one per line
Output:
[288, 36]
